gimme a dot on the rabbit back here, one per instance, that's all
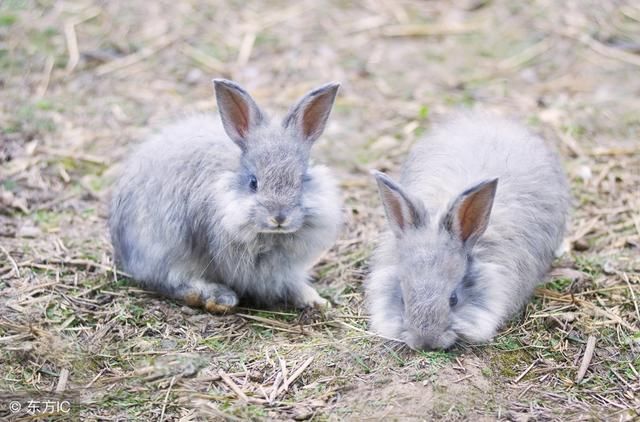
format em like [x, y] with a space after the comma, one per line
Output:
[155, 210]
[529, 212]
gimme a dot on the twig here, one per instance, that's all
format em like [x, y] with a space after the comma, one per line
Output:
[369, 333]
[76, 156]
[275, 388]
[526, 55]
[93, 289]
[166, 398]
[44, 84]
[227, 380]
[427, 30]
[203, 58]
[13, 262]
[246, 48]
[283, 368]
[466, 377]
[72, 39]
[542, 292]
[270, 322]
[602, 151]
[62, 380]
[74, 262]
[72, 45]
[295, 375]
[138, 56]
[633, 295]
[586, 358]
[610, 52]
[525, 372]
[55, 201]
[523, 392]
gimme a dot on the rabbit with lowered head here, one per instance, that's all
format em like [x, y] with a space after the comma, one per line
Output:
[209, 218]
[475, 222]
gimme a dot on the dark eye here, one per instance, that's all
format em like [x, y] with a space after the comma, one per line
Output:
[306, 178]
[453, 299]
[253, 183]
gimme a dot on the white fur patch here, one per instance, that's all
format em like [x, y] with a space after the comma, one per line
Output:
[234, 209]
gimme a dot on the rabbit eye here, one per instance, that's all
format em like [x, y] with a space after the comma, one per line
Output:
[253, 183]
[306, 178]
[453, 299]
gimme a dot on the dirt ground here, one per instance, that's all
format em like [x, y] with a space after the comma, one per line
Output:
[82, 81]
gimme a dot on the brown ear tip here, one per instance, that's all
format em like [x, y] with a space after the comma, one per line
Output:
[226, 84]
[381, 177]
[493, 183]
[329, 87]
[221, 81]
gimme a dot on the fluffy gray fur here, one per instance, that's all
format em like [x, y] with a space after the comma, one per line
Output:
[507, 188]
[185, 220]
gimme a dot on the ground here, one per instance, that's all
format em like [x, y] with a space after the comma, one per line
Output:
[83, 81]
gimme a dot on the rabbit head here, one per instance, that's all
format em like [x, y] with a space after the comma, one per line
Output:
[274, 163]
[434, 262]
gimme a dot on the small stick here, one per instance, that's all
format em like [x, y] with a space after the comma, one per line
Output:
[227, 380]
[586, 358]
[72, 39]
[275, 388]
[55, 201]
[466, 377]
[76, 263]
[246, 48]
[633, 295]
[13, 262]
[427, 30]
[283, 368]
[62, 380]
[203, 58]
[72, 45]
[44, 85]
[369, 333]
[267, 321]
[295, 375]
[525, 372]
[95, 379]
[76, 156]
[136, 57]
[166, 398]
[610, 52]
[523, 392]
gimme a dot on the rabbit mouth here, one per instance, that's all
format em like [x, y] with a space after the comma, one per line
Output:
[443, 341]
[281, 230]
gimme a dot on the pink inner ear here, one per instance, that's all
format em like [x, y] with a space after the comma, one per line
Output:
[473, 213]
[313, 116]
[239, 114]
[395, 207]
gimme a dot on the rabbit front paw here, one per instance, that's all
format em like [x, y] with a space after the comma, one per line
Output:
[213, 297]
[308, 297]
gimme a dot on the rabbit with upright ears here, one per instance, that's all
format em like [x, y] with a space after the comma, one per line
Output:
[209, 218]
[474, 224]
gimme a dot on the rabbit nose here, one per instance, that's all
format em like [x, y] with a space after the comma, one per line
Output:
[279, 219]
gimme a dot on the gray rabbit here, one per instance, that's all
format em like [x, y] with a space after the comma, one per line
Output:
[205, 221]
[475, 221]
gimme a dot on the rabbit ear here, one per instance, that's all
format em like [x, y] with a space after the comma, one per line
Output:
[239, 113]
[402, 212]
[309, 116]
[469, 214]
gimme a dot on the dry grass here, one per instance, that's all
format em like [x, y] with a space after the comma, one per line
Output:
[83, 80]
